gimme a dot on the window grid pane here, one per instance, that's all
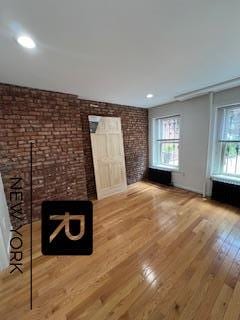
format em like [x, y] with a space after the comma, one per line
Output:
[231, 129]
[170, 128]
[169, 153]
[230, 158]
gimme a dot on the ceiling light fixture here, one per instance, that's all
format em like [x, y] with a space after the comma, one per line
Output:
[26, 42]
[149, 96]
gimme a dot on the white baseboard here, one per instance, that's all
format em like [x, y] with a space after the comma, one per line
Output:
[187, 188]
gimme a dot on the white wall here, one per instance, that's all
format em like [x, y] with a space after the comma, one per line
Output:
[195, 114]
[227, 97]
[5, 227]
[197, 141]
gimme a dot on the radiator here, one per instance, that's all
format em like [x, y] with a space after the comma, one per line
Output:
[160, 176]
[226, 192]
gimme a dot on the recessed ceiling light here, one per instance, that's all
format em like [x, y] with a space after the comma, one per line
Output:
[26, 42]
[149, 96]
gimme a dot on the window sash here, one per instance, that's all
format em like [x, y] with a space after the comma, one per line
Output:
[160, 130]
[227, 160]
[168, 140]
[167, 158]
[228, 124]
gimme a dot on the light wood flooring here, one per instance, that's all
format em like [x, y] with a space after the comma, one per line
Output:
[159, 253]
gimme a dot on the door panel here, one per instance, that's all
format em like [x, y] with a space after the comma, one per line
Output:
[104, 179]
[100, 145]
[114, 145]
[116, 174]
[108, 155]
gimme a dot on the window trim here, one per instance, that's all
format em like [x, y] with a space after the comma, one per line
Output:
[219, 125]
[162, 166]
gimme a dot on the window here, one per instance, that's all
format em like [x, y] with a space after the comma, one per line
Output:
[166, 146]
[228, 142]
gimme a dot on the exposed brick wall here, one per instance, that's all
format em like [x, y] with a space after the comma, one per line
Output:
[57, 124]
[135, 137]
[52, 122]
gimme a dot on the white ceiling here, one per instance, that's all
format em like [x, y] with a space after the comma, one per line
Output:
[120, 50]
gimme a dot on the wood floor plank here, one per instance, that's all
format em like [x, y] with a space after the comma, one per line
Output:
[221, 303]
[233, 310]
[159, 253]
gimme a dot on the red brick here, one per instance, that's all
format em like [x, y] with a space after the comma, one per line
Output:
[57, 124]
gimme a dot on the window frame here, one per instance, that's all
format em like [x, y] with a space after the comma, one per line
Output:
[156, 153]
[220, 121]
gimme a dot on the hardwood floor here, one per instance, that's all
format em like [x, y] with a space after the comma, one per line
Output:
[159, 253]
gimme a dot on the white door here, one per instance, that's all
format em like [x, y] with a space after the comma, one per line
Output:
[5, 229]
[108, 155]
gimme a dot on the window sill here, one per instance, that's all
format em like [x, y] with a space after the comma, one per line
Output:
[226, 179]
[166, 168]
